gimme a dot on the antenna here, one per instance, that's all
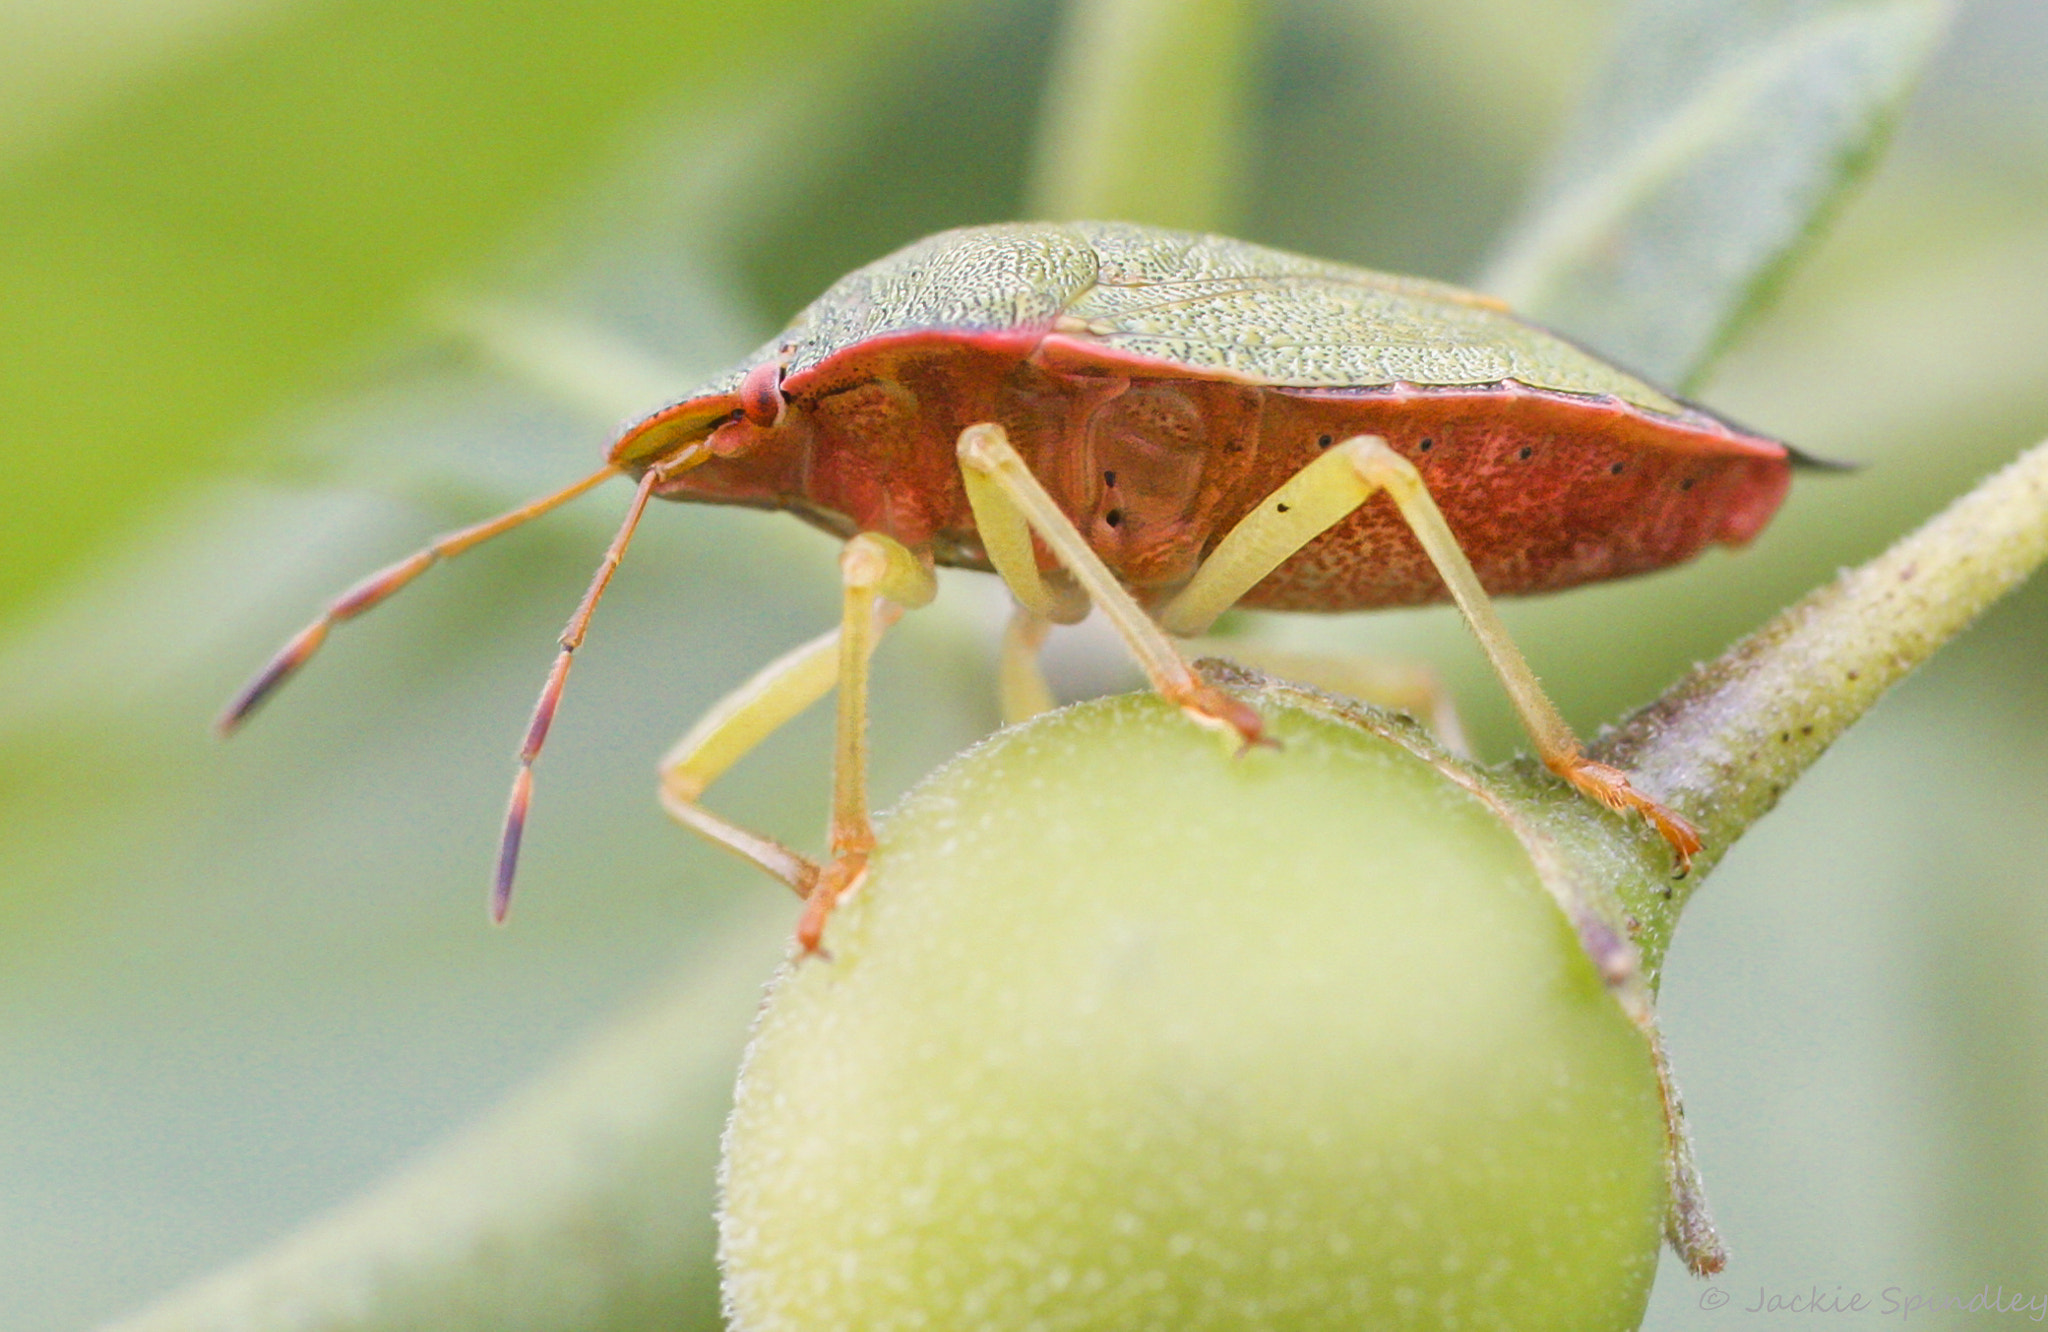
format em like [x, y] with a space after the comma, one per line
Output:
[382, 584]
[551, 692]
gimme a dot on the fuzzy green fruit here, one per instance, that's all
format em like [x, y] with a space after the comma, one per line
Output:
[1124, 1032]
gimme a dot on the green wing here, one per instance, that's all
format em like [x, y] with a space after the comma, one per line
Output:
[1226, 307]
[1217, 306]
[1010, 279]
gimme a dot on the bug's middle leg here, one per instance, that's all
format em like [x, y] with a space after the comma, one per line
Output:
[1406, 686]
[1320, 495]
[1315, 499]
[1021, 687]
[1009, 506]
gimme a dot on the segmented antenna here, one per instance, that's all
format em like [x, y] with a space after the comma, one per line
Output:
[551, 694]
[382, 584]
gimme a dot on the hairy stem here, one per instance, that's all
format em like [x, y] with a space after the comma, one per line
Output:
[1728, 739]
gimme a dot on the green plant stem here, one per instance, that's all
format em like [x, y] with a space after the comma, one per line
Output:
[1727, 740]
[1141, 117]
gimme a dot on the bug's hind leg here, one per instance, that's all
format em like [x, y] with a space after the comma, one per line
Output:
[1317, 498]
[1009, 506]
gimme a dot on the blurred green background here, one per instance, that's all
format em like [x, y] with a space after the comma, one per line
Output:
[287, 287]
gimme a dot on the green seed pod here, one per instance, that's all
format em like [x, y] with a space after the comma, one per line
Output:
[1127, 1032]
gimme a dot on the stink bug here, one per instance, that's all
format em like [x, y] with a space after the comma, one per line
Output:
[1163, 425]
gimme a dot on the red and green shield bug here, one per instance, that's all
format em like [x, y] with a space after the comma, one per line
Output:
[1162, 425]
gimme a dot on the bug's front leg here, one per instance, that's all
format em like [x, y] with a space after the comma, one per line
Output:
[1319, 496]
[739, 721]
[877, 573]
[1009, 505]
[880, 578]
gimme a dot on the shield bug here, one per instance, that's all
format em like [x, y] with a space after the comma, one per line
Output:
[1163, 425]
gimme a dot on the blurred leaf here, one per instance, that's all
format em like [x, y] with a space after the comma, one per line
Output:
[240, 228]
[238, 991]
[1718, 138]
[1144, 112]
[583, 1203]
[59, 62]
[1400, 134]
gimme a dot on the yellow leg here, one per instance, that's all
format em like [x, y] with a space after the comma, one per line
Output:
[741, 720]
[1324, 492]
[1009, 505]
[872, 568]
[880, 577]
[1020, 684]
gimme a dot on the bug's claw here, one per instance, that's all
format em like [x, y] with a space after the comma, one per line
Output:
[1211, 708]
[838, 881]
[1610, 786]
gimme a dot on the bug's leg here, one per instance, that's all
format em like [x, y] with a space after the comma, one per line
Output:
[739, 721]
[1324, 492]
[879, 575]
[1020, 684]
[1409, 686]
[1009, 506]
[382, 584]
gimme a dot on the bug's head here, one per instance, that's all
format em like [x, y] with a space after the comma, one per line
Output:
[728, 441]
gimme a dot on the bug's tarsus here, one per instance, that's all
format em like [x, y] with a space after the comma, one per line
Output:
[1683, 838]
[551, 693]
[1213, 709]
[1610, 786]
[382, 584]
[840, 880]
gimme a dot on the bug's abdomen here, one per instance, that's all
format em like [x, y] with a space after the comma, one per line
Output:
[1544, 491]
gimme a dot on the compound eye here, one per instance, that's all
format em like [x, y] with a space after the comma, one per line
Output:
[761, 399]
